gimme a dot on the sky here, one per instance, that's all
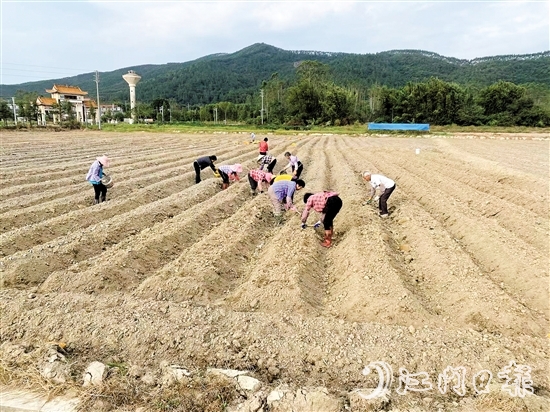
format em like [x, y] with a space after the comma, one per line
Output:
[43, 39]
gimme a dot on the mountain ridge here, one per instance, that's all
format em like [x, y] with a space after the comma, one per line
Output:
[237, 76]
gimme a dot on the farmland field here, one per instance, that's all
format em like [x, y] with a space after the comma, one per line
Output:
[167, 271]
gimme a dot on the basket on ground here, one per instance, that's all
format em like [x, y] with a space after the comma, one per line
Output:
[107, 180]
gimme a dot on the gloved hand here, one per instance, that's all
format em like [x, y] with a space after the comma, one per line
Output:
[317, 224]
[303, 225]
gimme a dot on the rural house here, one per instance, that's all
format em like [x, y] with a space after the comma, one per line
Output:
[81, 105]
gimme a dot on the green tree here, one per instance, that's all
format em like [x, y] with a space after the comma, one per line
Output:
[5, 112]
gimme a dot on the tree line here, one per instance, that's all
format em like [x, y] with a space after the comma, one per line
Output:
[314, 98]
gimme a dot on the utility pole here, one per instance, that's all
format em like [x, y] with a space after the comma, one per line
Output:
[262, 111]
[215, 115]
[98, 106]
[14, 112]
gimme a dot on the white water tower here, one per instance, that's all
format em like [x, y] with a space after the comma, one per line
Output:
[132, 79]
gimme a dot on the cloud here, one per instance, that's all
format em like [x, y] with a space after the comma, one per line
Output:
[110, 35]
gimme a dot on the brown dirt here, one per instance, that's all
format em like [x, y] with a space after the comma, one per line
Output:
[170, 271]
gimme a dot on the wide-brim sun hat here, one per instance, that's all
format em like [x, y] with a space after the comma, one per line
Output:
[104, 160]
[260, 157]
[237, 168]
[268, 176]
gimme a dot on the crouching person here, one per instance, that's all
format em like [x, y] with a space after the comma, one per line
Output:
[282, 192]
[94, 177]
[229, 173]
[257, 178]
[328, 204]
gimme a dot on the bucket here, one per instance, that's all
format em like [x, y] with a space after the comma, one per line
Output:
[417, 151]
[107, 181]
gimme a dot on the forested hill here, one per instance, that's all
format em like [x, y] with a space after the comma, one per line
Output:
[234, 77]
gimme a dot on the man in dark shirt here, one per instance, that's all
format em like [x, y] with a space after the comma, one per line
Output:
[203, 163]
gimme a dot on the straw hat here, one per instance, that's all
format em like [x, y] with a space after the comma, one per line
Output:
[104, 160]
[237, 168]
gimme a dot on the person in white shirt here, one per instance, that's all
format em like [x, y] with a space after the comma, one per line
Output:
[386, 186]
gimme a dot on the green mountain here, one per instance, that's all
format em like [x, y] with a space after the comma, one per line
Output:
[237, 76]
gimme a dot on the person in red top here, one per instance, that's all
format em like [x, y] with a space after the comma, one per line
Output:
[264, 147]
[328, 204]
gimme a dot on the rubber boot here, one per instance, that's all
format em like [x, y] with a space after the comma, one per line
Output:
[103, 198]
[328, 238]
[225, 186]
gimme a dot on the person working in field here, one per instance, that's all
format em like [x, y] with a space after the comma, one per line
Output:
[252, 137]
[257, 178]
[229, 173]
[328, 204]
[94, 176]
[282, 193]
[294, 164]
[386, 186]
[264, 146]
[267, 160]
[203, 163]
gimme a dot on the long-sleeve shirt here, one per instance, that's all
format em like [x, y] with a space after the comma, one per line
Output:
[95, 173]
[229, 172]
[205, 162]
[266, 161]
[259, 176]
[316, 202]
[292, 161]
[380, 181]
[284, 189]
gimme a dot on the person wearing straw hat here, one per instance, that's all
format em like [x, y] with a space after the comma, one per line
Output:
[94, 177]
[327, 204]
[266, 160]
[256, 178]
[203, 163]
[386, 186]
[229, 172]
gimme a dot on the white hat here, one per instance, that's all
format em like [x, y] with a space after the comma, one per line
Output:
[260, 157]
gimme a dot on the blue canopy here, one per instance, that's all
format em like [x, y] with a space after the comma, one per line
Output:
[399, 126]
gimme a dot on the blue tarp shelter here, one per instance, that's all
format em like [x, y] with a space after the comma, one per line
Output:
[425, 127]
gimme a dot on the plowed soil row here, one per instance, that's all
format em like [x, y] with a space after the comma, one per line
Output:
[170, 271]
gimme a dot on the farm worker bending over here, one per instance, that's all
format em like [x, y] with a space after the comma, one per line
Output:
[283, 191]
[203, 163]
[94, 177]
[386, 187]
[228, 173]
[328, 204]
[266, 160]
[264, 147]
[295, 164]
[252, 137]
[256, 177]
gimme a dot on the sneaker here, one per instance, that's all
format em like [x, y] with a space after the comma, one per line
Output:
[384, 215]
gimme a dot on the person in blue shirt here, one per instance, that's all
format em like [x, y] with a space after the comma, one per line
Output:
[94, 177]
